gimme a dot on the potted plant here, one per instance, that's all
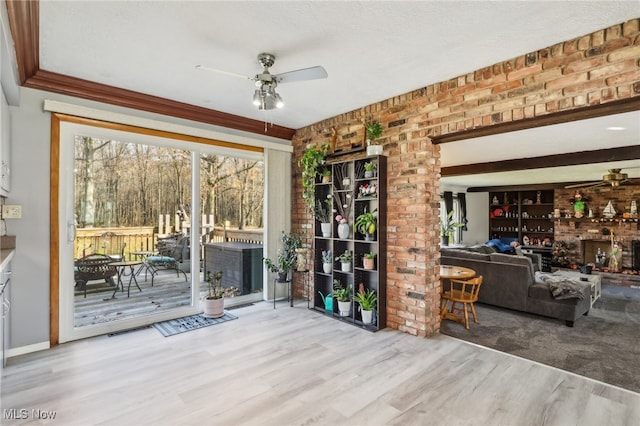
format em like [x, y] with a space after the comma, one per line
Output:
[374, 131]
[345, 260]
[327, 261]
[343, 296]
[367, 301]
[310, 161]
[286, 257]
[369, 169]
[366, 224]
[213, 302]
[447, 227]
[323, 214]
[368, 260]
[326, 176]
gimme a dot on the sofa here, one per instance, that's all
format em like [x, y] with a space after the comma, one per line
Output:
[514, 282]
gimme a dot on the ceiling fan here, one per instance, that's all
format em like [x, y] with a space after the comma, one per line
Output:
[614, 177]
[265, 96]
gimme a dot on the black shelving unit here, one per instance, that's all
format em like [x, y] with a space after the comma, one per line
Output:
[520, 214]
[348, 181]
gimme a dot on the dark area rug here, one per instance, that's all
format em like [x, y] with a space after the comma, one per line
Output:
[193, 322]
[604, 345]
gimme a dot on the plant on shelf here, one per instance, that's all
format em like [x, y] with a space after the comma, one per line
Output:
[366, 223]
[327, 261]
[368, 260]
[326, 176]
[447, 228]
[323, 211]
[367, 300]
[369, 169]
[310, 162]
[345, 257]
[374, 131]
[286, 256]
[343, 296]
[213, 303]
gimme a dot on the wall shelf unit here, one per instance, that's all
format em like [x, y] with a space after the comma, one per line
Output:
[348, 185]
[523, 215]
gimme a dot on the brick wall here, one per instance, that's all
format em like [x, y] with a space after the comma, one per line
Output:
[574, 232]
[594, 69]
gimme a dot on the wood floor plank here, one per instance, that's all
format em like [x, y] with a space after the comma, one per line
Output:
[293, 366]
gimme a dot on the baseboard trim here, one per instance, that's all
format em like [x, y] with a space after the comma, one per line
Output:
[13, 352]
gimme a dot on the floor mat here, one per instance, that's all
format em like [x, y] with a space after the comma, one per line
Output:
[192, 322]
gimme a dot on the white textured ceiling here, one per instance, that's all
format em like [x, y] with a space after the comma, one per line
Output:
[372, 50]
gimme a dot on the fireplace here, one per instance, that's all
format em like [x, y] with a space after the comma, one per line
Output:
[590, 251]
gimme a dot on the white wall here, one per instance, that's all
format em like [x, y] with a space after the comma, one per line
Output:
[30, 188]
[477, 214]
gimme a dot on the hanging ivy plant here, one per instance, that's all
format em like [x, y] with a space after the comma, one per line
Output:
[310, 162]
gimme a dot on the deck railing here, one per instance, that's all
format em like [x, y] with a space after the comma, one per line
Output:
[111, 240]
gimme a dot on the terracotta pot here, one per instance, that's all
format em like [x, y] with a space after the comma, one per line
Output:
[213, 308]
[368, 263]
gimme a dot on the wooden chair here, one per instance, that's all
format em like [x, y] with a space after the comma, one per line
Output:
[464, 292]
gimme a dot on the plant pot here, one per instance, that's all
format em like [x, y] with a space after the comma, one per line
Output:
[326, 229]
[368, 263]
[445, 241]
[345, 267]
[301, 259]
[369, 237]
[282, 277]
[343, 230]
[327, 267]
[326, 179]
[344, 308]
[213, 308]
[368, 173]
[374, 150]
[367, 317]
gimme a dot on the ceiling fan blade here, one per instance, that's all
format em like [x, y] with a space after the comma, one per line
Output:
[312, 73]
[232, 74]
[582, 185]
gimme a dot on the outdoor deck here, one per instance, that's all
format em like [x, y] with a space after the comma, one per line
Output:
[168, 292]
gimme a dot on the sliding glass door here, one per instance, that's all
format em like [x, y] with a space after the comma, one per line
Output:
[133, 239]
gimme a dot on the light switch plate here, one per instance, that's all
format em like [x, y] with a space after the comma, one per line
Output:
[11, 211]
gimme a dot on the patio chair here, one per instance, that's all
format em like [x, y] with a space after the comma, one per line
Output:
[172, 252]
[93, 267]
[113, 245]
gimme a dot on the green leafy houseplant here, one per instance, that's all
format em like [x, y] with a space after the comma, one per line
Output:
[448, 226]
[366, 223]
[369, 166]
[286, 255]
[310, 162]
[370, 255]
[345, 257]
[341, 294]
[216, 291]
[374, 130]
[366, 298]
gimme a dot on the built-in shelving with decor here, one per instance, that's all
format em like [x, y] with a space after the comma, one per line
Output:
[348, 185]
[524, 215]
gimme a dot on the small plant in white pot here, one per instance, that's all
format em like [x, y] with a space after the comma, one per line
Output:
[368, 260]
[213, 302]
[343, 296]
[369, 169]
[367, 300]
[327, 261]
[345, 261]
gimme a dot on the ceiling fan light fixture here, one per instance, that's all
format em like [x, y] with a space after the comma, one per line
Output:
[279, 101]
[257, 98]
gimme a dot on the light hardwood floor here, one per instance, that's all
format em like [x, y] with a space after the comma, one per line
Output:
[291, 366]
